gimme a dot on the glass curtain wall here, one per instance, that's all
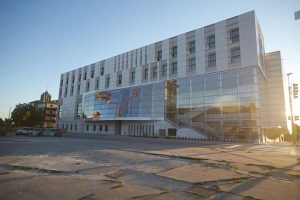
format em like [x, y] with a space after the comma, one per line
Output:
[222, 105]
[135, 102]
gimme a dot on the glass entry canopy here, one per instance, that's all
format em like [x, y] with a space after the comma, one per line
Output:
[219, 104]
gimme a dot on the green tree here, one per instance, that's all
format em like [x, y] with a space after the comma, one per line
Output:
[26, 115]
[1, 122]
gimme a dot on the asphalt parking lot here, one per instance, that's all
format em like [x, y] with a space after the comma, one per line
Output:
[120, 167]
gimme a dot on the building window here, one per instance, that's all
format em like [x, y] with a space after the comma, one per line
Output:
[85, 74]
[72, 90]
[67, 80]
[159, 55]
[119, 79]
[192, 64]
[212, 60]
[174, 52]
[192, 47]
[132, 80]
[79, 109]
[66, 91]
[163, 70]
[100, 128]
[87, 127]
[154, 73]
[94, 128]
[79, 77]
[211, 41]
[106, 128]
[173, 70]
[78, 88]
[97, 84]
[61, 82]
[102, 71]
[87, 87]
[146, 74]
[75, 127]
[234, 35]
[71, 127]
[107, 82]
[235, 55]
[73, 79]
[60, 110]
[92, 74]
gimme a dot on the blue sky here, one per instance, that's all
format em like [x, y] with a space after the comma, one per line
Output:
[41, 39]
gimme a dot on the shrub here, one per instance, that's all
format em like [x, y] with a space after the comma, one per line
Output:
[2, 131]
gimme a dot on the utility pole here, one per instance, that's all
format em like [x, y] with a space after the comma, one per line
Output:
[294, 136]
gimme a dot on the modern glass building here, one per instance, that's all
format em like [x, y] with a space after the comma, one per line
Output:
[215, 82]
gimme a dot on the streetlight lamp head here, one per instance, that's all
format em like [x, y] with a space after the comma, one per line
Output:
[289, 74]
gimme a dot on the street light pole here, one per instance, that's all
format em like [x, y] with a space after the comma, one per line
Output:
[291, 107]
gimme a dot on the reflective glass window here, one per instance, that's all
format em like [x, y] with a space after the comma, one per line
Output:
[211, 41]
[120, 79]
[164, 70]
[235, 55]
[192, 47]
[212, 85]
[229, 82]
[235, 35]
[211, 60]
[146, 74]
[230, 127]
[174, 51]
[173, 70]
[246, 80]
[107, 82]
[183, 90]
[132, 77]
[197, 86]
[192, 65]
[154, 73]
[213, 126]
[159, 55]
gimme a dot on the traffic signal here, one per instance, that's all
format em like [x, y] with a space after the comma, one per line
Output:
[295, 90]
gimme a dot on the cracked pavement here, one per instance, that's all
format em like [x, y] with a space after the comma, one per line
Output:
[119, 167]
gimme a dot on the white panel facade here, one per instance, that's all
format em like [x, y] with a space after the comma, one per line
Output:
[227, 45]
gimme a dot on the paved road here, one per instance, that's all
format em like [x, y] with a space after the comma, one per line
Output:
[22, 145]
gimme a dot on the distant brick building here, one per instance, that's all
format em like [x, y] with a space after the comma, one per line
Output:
[48, 109]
